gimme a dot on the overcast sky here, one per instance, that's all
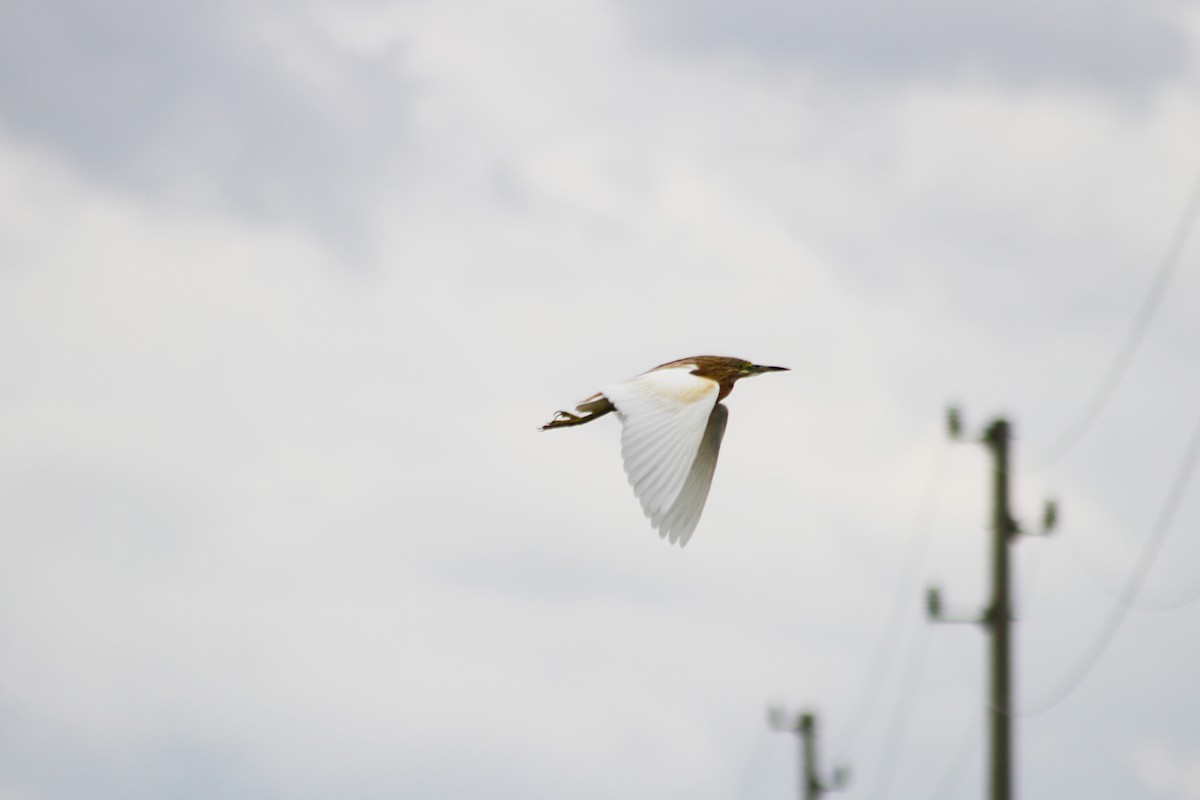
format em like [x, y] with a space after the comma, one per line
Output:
[287, 288]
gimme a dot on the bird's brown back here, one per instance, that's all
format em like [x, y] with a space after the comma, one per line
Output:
[722, 369]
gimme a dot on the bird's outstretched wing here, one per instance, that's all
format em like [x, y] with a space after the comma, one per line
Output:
[667, 415]
[677, 524]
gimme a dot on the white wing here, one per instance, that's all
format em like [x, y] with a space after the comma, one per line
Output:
[678, 523]
[664, 414]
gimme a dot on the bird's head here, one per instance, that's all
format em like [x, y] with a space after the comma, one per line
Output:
[724, 370]
[745, 369]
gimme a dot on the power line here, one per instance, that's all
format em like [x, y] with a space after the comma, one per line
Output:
[958, 763]
[1025, 593]
[910, 678]
[1133, 338]
[1162, 526]
[892, 628]
[1117, 597]
[1124, 601]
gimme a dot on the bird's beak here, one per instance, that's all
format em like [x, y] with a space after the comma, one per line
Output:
[759, 368]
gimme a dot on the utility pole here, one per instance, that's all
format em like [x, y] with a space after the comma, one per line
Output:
[996, 619]
[999, 614]
[805, 728]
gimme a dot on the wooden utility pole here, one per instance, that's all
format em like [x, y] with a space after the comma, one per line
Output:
[805, 728]
[997, 618]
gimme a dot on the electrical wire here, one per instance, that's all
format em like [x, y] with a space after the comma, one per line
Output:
[1032, 567]
[1137, 577]
[1162, 526]
[901, 713]
[956, 768]
[1118, 596]
[1133, 338]
[892, 629]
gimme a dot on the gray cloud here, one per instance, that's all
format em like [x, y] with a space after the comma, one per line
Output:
[262, 111]
[1113, 44]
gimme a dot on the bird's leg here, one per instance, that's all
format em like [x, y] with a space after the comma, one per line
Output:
[595, 406]
[564, 419]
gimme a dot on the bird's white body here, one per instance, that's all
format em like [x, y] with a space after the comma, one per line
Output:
[671, 435]
[672, 425]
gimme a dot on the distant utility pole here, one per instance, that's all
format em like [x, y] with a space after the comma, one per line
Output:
[997, 617]
[805, 727]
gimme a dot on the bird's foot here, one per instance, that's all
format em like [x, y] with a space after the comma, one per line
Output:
[562, 419]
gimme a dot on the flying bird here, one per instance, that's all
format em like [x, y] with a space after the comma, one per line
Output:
[672, 424]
